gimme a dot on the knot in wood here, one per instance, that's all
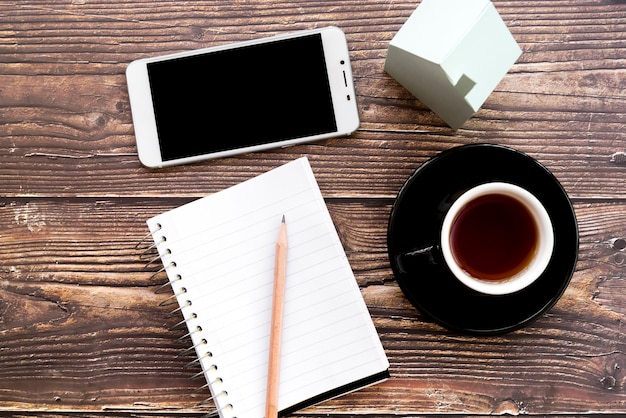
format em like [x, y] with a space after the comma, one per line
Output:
[608, 382]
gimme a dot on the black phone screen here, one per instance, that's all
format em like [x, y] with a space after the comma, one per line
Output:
[241, 97]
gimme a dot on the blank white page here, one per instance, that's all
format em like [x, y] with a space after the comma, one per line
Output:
[219, 254]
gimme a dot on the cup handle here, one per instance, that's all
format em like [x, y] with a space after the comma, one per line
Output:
[409, 261]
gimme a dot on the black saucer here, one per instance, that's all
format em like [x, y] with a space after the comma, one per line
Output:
[416, 218]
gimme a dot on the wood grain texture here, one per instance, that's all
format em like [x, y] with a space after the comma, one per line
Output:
[65, 107]
[107, 344]
[81, 329]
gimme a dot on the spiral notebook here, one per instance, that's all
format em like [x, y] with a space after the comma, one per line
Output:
[218, 252]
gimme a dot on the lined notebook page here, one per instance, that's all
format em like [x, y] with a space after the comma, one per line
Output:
[223, 249]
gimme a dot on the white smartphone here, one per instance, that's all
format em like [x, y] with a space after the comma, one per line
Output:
[249, 96]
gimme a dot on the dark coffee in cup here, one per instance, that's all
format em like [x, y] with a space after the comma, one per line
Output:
[494, 237]
[497, 238]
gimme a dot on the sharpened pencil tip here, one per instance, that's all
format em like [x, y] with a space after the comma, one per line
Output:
[283, 221]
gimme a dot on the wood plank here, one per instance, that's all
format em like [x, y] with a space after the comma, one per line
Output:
[65, 108]
[371, 163]
[79, 317]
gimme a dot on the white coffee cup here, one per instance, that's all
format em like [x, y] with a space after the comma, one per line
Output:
[486, 241]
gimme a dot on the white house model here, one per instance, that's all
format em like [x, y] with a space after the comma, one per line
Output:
[451, 54]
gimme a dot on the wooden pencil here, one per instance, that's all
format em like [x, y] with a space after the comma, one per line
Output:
[276, 330]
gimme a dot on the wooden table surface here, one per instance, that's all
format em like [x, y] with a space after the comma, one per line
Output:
[81, 332]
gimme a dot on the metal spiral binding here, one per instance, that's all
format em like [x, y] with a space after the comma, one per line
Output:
[206, 385]
[217, 411]
[175, 311]
[141, 245]
[197, 329]
[212, 398]
[183, 322]
[193, 362]
[191, 349]
[174, 298]
[161, 289]
[152, 246]
[155, 258]
[150, 254]
[162, 270]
